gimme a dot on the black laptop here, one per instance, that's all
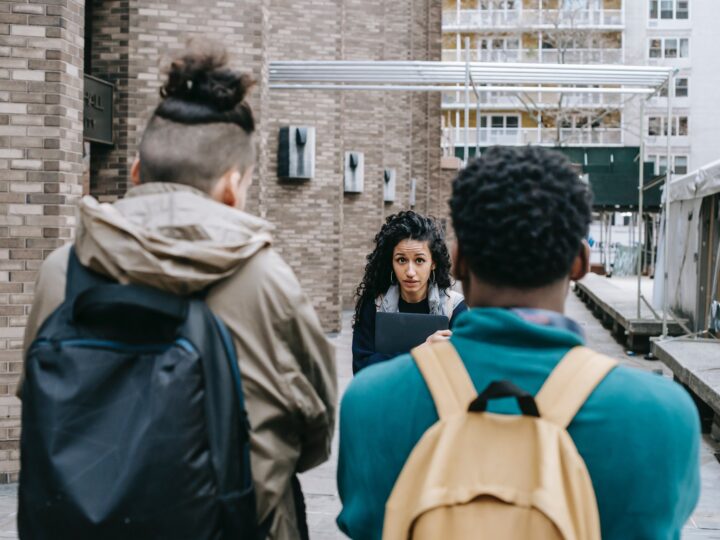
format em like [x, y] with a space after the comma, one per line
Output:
[397, 333]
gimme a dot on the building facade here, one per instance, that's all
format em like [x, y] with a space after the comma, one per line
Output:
[676, 33]
[535, 31]
[47, 161]
[643, 32]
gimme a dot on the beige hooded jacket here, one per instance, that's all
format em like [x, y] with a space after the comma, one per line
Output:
[175, 238]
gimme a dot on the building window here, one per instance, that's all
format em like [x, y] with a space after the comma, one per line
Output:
[655, 48]
[669, 9]
[669, 48]
[500, 5]
[657, 126]
[680, 163]
[681, 88]
[500, 122]
[654, 126]
[682, 125]
[684, 47]
[666, 9]
[683, 9]
[654, 9]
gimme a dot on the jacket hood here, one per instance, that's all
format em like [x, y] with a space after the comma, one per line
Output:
[168, 236]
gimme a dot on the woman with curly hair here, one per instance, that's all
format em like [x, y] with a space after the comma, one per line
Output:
[407, 272]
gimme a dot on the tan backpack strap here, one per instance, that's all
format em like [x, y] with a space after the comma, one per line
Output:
[571, 383]
[450, 385]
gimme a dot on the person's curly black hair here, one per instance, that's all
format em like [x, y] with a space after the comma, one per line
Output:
[399, 227]
[520, 215]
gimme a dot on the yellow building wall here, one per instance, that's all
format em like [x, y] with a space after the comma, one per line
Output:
[449, 41]
[529, 40]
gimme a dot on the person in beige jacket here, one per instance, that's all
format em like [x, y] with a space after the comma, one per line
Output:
[182, 230]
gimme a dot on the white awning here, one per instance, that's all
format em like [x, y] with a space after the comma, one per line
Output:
[434, 76]
[697, 184]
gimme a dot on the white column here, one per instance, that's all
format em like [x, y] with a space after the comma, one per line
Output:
[668, 177]
[641, 188]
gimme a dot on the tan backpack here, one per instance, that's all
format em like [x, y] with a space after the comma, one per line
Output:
[479, 475]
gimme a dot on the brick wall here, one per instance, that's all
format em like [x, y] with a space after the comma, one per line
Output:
[308, 214]
[322, 233]
[41, 52]
[363, 36]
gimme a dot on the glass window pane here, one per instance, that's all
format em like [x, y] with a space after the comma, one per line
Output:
[681, 87]
[654, 126]
[513, 44]
[497, 121]
[663, 92]
[683, 10]
[671, 50]
[655, 48]
[683, 123]
[653, 9]
[483, 121]
[662, 164]
[512, 122]
[681, 164]
[684, 48]
[666, 9]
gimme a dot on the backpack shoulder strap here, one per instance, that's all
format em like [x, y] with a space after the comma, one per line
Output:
[450, 385]
[80, 278]
[571, 383]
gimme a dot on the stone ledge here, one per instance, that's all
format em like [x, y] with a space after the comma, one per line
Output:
[696, 364]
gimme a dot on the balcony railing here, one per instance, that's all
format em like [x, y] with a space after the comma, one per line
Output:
[541, 56]
[475, 19]
[455, 136]
[456, 100]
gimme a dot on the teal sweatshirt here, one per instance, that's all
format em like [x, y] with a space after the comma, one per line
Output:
[638, 432]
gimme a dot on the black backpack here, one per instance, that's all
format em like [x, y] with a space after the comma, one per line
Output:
[133, 420]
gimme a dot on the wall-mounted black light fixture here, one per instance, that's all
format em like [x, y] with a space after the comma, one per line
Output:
[354, 177]
[389, 185]
[296, 152]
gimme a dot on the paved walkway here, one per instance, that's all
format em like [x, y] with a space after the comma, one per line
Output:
[319, 484]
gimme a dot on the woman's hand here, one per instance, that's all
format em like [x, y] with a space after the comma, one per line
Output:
[440, 335]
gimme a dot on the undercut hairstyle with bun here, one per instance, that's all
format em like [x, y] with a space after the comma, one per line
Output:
[203, 126]
[520, 215]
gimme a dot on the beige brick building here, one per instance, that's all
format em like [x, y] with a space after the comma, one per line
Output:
[47, 46]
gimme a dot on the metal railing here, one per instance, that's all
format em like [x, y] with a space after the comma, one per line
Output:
[456, 100]
[474, 19]
[455, 136]
[541, 56]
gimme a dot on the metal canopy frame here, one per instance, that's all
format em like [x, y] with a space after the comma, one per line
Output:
[428, 76]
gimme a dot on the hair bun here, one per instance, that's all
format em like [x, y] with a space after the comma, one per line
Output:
[201, 77]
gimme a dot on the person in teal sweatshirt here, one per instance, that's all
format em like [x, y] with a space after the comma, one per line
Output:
[521, 216]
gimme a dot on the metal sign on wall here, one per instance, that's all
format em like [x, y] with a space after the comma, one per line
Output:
[98, 110]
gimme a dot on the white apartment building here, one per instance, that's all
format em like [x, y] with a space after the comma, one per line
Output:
[679, 33]
[543, 31]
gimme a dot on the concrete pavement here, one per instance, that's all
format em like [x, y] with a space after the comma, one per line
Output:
[319, 484]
